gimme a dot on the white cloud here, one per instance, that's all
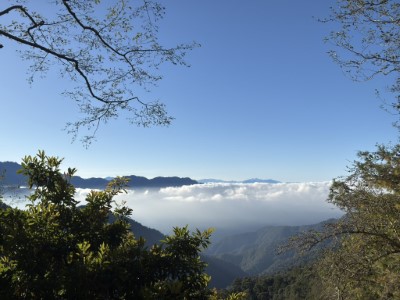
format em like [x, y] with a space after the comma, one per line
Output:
[227, 206]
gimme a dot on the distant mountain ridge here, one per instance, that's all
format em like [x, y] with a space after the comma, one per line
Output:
[252, 180]
[12, 178]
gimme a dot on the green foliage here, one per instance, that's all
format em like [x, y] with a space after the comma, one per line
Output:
[178, 256]
[1, 187]
[223, 294]
[56, 250]
[365, 261]
[297, 283]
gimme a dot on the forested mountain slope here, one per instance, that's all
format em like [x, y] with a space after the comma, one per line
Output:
[256, 252]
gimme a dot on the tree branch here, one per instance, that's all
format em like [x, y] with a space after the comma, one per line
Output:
[99, 54]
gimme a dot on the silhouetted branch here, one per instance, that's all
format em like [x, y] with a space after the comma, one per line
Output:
[107, 57]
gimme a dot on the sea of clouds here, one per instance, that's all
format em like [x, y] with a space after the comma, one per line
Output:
[229, 207]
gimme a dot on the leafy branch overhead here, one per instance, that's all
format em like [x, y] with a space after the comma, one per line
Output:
[108, 49]
[367, 40]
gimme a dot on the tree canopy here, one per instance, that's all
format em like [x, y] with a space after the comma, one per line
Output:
[109, 49]
[56, 249]
[363, 261]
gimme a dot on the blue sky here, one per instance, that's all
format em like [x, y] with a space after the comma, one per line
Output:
[261, 99]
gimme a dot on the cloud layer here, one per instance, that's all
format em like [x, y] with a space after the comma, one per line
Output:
[230, 206]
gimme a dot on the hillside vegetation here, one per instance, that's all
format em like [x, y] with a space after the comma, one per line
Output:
[257, 252]
[57, 250]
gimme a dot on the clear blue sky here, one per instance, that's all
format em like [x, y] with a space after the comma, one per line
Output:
[261, 99]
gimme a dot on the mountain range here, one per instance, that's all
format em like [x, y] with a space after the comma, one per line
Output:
[11, 177]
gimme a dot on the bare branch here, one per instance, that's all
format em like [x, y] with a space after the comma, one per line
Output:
[108, 57]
